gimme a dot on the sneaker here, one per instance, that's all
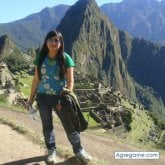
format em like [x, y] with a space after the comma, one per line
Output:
[51, 156]
[83, 156]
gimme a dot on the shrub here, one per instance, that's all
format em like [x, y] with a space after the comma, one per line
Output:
[16, 62]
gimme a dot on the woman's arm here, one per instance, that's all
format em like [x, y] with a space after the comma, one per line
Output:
[34, 87]
[70, 78]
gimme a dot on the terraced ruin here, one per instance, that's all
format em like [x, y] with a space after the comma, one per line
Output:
[104, 104]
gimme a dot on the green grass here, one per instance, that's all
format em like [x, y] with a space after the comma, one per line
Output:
[142, 126]
[25, 80]
[92, 123]
[3, 100]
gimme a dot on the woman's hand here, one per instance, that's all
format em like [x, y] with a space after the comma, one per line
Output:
[33, 88]
[30, 102]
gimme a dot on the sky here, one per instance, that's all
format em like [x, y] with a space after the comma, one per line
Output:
[12, 10]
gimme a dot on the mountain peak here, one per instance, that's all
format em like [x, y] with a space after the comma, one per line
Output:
[85, 2]
[83, 18]
[72, 22]
[140, 2]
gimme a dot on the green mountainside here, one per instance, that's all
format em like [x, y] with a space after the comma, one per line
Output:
[102, 51]
[30, 31]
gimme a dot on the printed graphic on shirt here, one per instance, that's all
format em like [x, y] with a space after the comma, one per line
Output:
[50, 82]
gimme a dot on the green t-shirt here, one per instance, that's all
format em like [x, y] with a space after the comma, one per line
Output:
[50, 82]
[68, 61]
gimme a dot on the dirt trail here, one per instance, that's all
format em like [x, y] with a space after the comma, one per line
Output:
[15, 148]
[99, 147]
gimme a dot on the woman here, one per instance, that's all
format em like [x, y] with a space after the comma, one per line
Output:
[54, 70]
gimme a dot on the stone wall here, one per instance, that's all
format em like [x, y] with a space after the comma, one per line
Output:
[6, 77]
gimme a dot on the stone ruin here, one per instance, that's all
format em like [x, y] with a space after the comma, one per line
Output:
[7, 83]
[104, 105]
[6, 77]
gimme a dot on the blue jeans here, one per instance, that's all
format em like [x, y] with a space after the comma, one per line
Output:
[46, 104]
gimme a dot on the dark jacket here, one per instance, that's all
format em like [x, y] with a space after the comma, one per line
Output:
[72, 111]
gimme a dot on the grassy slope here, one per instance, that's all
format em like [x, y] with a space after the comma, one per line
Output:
[142, 126]
[27, 81]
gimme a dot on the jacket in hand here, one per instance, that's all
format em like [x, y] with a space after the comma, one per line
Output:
[72, 111]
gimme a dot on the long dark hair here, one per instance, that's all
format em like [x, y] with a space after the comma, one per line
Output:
[60, 56]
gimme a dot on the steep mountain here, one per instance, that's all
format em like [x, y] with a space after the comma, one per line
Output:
[29, 32]
[147, 64]
[93, 42]
[102, 51]
[141, 18]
